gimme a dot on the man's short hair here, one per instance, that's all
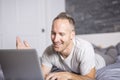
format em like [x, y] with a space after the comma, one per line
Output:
[64, 15]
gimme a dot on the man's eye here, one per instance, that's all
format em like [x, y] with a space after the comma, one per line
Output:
[52, 33]
[62, 34]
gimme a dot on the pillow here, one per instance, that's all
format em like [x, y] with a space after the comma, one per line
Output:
[118, 59]
[112, 52]
[118, 48]
[99, 50]
[109, 54]
[1, 74]
[108, 59]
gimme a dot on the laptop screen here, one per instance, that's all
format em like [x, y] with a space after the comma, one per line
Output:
[22, 64]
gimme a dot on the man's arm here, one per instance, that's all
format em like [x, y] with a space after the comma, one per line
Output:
[89, 76]
[45, 70]
[71, 76]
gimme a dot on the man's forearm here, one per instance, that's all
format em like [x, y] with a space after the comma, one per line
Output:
[73, 76]
[66, 76]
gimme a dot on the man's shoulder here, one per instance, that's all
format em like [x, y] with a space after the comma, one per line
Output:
[82, 42]
[49, 51]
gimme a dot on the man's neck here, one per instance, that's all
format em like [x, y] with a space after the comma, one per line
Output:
[67, 51]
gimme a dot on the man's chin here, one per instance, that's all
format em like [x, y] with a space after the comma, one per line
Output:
[56, 49]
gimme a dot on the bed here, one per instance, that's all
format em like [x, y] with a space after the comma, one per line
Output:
[110, 72]
[108, 46]
[111, 56]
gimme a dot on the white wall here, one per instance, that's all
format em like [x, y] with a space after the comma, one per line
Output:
[54, 7]
[102, 39]
[27, 18]
[15, 21]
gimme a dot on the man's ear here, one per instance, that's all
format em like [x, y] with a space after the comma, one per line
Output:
[72, 34]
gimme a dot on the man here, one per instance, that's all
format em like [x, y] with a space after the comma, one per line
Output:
[73, 57]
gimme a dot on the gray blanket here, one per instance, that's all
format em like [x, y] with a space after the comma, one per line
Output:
[111, 72]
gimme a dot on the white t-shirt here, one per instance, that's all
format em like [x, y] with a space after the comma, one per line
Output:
[81, 59]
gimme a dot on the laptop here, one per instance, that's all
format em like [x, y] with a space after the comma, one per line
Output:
[22, 64]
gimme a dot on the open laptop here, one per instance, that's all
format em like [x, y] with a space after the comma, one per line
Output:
[22, 64]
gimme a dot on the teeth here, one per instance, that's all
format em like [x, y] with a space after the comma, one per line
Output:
[56, 44]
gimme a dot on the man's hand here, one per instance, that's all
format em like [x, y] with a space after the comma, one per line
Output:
[58, 76]
[21, 45]
[68, 76]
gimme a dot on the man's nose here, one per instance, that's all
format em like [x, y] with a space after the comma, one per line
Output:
[57, 38]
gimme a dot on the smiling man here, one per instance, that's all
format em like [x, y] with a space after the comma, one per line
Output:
[74, 57]
[69, 57]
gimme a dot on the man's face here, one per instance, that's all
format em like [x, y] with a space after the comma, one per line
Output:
[61, 34]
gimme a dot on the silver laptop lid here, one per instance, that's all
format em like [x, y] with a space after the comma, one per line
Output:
[22, 64]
